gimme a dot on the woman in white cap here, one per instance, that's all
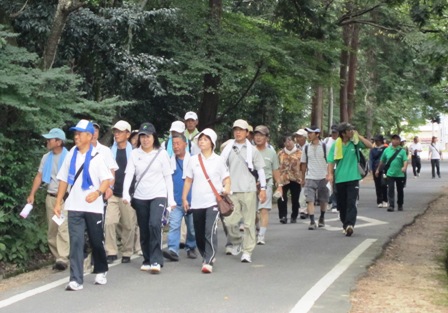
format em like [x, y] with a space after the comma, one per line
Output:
[151, 167]
[203, 200]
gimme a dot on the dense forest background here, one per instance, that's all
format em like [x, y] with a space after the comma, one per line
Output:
[287, 63]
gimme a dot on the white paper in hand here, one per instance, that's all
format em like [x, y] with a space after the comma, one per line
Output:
[26, 210]
[58, 220]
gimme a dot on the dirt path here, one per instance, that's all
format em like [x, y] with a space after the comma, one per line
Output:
[410, 275]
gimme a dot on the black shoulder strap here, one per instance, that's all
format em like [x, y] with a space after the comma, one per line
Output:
[389, 162]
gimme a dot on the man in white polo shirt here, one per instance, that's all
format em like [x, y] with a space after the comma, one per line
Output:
[314, 168]
[87, 174]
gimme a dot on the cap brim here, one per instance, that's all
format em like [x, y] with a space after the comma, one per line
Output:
[48, 136]
[145, 133]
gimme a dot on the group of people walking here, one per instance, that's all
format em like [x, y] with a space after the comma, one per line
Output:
[125, 192]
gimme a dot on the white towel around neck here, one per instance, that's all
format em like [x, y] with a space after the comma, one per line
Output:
[231, 145]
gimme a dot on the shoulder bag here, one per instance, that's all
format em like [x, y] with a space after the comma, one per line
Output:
[386, 167]
[134, 188]
[225, 204]
[363, 166]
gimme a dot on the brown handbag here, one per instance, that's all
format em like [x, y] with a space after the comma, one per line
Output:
[225, 204]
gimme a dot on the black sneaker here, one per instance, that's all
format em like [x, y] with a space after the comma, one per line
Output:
[293, 220]
[349, 230]
[111, 259]
[390, 209]
[312, 226]
[170, 255]
[60, 266]
[126, 259]
[400, 208]
[191, 254]
[321, 222]
[303, 216]
[283, 220]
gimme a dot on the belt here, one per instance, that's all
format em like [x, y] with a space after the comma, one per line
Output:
[52, 195]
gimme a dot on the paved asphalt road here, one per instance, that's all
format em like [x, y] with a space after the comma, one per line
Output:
[296, 271]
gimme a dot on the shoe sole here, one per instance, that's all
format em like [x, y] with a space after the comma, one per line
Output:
[261, 243]
[154, 271]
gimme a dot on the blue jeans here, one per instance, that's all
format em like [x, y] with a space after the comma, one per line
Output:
[176, 216]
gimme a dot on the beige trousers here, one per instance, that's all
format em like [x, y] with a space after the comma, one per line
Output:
[118, 212]
[57, 236]
[245, 208]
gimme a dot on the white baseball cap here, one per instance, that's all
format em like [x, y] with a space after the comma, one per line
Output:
[191, 116]
[302, 132]
[122, 125]
[178, 126]
[209, 133]
[241, 124]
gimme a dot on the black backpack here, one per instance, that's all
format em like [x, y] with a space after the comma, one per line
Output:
[362, 162]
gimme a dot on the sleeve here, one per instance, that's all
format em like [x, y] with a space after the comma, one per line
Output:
[258, 159]
[42, 162]
[330, 155]
[275, 162]
[405, 155]
[108, 157]
[167, 172]
[102, 169]
[189, 169]
[383, 156]
[170, 192]
[129, 176]
[361, 145]
[303, 156]
[165, 161]
[63, 171]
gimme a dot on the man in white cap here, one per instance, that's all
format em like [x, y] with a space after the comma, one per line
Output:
[191, 122]
[50, 164]
[178, 127]
[119, 213]
[86, 172]
[245, 163]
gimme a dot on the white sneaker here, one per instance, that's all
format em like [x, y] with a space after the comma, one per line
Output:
[380, 205]
[74, 286]
[154, 268]
[334, 210]
[207, 268]
[101, 279]
[245, 258]
[236, 249]
[385, 204]
[229, 250]
[145, 267]
[260, 240]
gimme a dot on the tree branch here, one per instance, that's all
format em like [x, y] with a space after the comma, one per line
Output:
[371, 23]
[232, 107]
[14, 15]
[346, 18]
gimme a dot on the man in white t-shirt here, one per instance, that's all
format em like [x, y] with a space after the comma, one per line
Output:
[86, 172]
[415, 149]
[313, 165]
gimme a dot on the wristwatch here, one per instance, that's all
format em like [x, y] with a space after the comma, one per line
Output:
[99, 193]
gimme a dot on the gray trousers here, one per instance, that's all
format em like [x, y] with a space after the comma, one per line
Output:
[205, 228]
[77, 224]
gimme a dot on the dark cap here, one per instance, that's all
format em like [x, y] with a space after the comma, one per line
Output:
[262, 130]
[312, 129]
[342, 127]
[147, 129]
[378, 138]
[395, 136]
[95, 124]
[334, 128]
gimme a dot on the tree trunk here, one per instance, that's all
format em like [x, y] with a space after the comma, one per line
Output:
[343, 102]
[63, 10]
[208, 111]
[353, 64]
[317, 107]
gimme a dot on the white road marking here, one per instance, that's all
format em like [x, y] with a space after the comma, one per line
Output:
[38, 290]
[308, 300]
[368, 221]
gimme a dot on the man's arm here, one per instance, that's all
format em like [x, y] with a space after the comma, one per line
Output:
[36, 184]
[62, 189]
[365, 141]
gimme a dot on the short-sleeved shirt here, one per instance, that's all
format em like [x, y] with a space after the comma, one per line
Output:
[202, 193]
[435, 151]
[316, 163]
[270, 163]
[54, 183]
[347, 167]
[98, 171]
[152, 185]
[414, 147]
[397, 164]
[107, 155]
[242, 179]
